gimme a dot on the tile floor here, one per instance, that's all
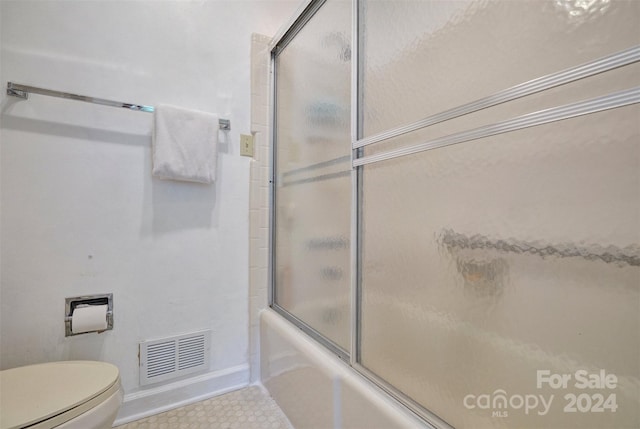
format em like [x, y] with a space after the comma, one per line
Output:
[249, 408]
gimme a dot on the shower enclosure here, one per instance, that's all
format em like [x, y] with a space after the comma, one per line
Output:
[456, 203]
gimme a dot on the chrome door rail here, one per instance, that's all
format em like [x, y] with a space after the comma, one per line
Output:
[287, 32]
[619, 59]
[313, 179]
[317, 165]
[598, 104]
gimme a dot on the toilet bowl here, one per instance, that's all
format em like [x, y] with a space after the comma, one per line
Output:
[63, 395]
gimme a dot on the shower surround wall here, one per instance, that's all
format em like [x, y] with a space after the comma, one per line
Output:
[80, 211]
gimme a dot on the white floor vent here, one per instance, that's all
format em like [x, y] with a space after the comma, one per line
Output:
[173, 357]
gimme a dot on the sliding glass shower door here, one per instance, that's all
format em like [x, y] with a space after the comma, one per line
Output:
[492, 260]
[313, 179]
[496, 169]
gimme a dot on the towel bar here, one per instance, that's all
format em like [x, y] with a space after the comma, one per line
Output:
[22, 91]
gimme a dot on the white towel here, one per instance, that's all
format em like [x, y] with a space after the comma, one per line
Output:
[185, 144]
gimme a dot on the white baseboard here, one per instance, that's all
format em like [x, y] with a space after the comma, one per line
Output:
[147, 402]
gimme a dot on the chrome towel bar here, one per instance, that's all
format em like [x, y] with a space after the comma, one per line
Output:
[23, 91]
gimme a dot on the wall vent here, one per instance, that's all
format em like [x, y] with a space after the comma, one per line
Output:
[172, 357]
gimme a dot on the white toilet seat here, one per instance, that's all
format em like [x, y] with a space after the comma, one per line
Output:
[47, 395]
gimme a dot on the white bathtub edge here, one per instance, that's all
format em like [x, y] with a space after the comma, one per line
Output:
[336, 369]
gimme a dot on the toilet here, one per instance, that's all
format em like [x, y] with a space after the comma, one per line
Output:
[63, 395]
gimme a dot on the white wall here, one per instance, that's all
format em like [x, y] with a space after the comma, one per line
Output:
[80, 211]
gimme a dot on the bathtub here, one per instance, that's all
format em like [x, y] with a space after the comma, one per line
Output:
[317, 390]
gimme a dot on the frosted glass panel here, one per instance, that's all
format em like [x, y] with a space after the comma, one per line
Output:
[488, 261]
[423, 57]
[313, 185]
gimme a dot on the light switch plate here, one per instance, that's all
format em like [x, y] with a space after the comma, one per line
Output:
[246, 145]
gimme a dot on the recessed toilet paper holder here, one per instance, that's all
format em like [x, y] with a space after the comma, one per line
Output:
[81, 301]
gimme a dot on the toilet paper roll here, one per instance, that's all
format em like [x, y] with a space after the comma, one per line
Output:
[90, 318]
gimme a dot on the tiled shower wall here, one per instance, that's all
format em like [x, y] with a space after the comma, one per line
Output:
[259, 197]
